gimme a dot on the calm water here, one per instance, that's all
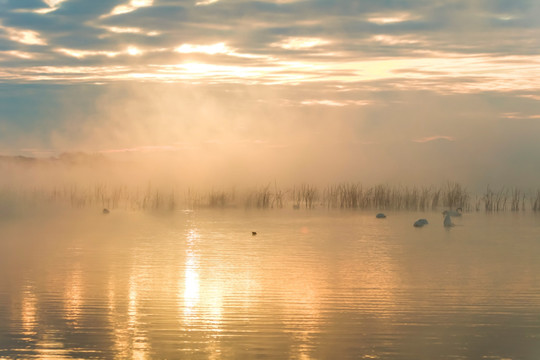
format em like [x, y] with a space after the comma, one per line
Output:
[309, 285]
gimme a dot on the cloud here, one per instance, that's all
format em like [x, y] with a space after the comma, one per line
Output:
[278, 42]
[129, 30]
[53, 6]
[18, 54]
[395, 40]
[392, 18]
[434, 138]
[218, 48]
[338, 103]
[79, 54]
[520, 115]
[148, 148]
[205, 2]
[132, 5]
[24, 36]
[297, 43]
[213, 49]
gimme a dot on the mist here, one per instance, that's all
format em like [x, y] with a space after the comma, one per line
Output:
[223, 136]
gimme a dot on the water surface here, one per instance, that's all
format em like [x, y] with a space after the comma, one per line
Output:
[310, 285]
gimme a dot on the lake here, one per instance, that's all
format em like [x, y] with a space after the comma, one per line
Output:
[311, 284]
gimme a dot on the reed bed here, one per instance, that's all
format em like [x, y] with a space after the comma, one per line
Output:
[386, 197]
[335, 196]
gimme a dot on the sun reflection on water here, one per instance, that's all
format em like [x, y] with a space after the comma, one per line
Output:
[29, 312]
[191, 279]
[200, 297]
[302, 313]
[73, 295]
[139, 342]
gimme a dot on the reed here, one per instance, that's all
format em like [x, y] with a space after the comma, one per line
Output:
[517, 200]
[220, 198]
[455, 196]
[305, 195]
[334, 196]
[383, 197]
[265, 197]
[260, 198]
[535, 201]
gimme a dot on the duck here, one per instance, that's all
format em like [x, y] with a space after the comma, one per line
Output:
[380, 216]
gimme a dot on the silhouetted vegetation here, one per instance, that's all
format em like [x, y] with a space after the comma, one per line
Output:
[536, 201]
[306, 196]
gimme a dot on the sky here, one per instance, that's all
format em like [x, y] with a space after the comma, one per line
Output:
[411, 91]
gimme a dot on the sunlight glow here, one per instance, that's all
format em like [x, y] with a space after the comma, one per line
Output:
[322, 102]
[44, 10]
[298, 43]
[128, 30]
[383, 19]
[205, 2]
[54, 3]
[394, 40]
[124, 30]
[133, 51]
[19, 54]
[427, 69]
[218, 48]
[79, 54]
[131, 6]
[27, 37]
[141, 3]
[213, 49]
[201, 70]
[335, 103]
[122, 9]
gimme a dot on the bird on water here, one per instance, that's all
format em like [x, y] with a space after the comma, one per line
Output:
[447, 221]
[456, 212]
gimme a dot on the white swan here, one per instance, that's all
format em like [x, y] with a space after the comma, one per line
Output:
[457, 212]
[447, 220]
